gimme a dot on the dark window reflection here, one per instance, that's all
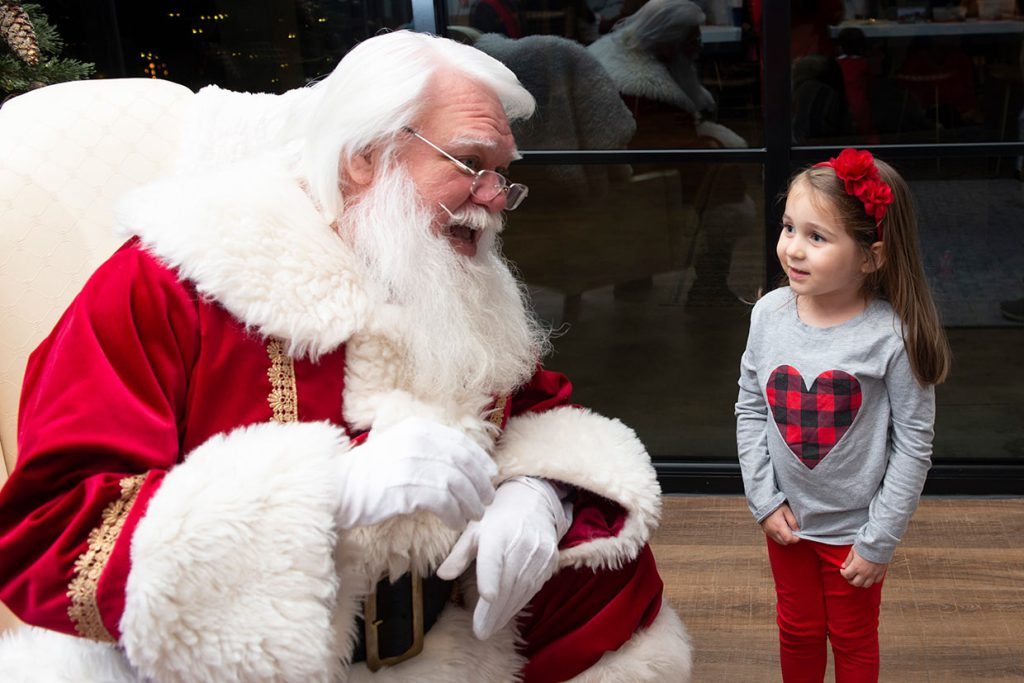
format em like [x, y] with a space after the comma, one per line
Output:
[618, 268]
[248, 45]
[972, 247]
[868, 72]
[638, 86]
[687, 72]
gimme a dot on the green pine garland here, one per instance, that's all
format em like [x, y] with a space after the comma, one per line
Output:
[17, 77]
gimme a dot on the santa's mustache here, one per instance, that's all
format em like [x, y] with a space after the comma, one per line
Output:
[475, 218]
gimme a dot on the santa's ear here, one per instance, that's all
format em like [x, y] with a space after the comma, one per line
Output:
[359, 170]
[875, 258]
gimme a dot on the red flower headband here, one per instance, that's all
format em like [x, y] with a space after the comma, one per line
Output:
[857, 170]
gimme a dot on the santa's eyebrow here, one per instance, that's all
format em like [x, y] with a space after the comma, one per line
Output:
[470, 141]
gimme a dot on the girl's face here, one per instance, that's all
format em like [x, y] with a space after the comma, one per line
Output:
[821, 259]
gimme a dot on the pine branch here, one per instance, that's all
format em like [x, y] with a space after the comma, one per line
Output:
[16, 76]
[50, 42]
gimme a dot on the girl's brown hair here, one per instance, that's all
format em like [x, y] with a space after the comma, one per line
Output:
[899, 277]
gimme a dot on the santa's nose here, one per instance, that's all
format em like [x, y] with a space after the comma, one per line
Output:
[496, 204]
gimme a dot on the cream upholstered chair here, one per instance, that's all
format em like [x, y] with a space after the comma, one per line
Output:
[67, 152]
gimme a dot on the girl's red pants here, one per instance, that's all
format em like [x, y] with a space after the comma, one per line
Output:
[815, 604]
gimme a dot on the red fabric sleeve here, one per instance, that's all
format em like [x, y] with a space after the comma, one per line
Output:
[593, 516]
[545, 390]
[580, 614]
[101, 406]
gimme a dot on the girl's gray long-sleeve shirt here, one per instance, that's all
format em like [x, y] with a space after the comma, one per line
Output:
[833, 422]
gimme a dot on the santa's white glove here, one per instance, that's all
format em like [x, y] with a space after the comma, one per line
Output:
[415, 465]
[515, 546]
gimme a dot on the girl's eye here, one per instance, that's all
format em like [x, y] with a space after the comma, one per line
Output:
[815, 237]
[788, 229]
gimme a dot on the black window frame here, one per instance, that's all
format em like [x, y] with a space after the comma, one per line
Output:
[779, 158]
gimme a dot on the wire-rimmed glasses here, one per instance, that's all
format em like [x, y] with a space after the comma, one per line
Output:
[486, 184]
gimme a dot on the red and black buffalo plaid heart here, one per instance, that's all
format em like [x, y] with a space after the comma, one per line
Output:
[813, 420]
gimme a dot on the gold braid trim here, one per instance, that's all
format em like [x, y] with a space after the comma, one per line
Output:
[498, 412]
[283, 398]
[84, 611]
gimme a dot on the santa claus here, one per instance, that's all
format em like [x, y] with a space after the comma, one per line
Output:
[296, 429]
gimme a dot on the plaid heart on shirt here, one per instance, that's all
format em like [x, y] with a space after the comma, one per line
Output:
[813, 420]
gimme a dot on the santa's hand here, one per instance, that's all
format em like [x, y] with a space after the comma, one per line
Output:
[415, 465]
[515, 546]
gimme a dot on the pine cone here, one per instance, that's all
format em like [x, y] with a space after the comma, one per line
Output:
[16, 30]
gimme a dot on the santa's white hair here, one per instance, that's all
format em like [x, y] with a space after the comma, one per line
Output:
[468, 326]
[376, 91]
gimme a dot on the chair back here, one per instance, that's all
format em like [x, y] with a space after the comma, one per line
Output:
[68, 152]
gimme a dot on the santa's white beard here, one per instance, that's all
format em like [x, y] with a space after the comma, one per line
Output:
[466, 326]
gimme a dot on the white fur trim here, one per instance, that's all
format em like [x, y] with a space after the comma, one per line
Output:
[353, 587]
[584, 449]
[660, 653]
[417, 541]
[724, 136]
[640, 73]
[452, 653]
[31, 655]
[249, 237]
[233, 574]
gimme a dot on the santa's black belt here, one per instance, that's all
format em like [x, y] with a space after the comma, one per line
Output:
[396, 616]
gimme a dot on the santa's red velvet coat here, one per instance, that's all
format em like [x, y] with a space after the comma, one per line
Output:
[173, 494]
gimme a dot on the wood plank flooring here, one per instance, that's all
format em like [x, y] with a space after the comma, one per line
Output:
[952, 606]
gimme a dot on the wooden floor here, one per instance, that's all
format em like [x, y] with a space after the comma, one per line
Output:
[952, 606]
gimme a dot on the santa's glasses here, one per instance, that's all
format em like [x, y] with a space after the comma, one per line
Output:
[486, 184]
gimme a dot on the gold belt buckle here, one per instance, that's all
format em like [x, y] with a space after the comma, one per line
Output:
[370, 624]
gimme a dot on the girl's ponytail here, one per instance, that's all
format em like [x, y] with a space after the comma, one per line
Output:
[901, 280]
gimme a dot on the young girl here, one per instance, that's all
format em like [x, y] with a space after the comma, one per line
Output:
[836, 408]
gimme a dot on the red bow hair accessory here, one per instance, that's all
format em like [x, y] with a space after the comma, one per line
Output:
[857, 170]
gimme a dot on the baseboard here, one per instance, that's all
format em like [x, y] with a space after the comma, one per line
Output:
[961, 477]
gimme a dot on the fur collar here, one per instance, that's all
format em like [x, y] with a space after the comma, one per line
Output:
[249, 237]
[639, 73]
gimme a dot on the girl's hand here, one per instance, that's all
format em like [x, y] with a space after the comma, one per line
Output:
[860, 572]
[780, 525]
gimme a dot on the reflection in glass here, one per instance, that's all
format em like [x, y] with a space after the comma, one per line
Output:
[688, 71]
[245, 45]
[616, 270]
[972, 244]
[888, 72]
[650, 56]
[583, 103]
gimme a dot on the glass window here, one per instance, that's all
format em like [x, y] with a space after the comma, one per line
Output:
[642, 270]
[256, 46]
[883, 72]
[644, 267]
[972, 243]
[683, 77]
